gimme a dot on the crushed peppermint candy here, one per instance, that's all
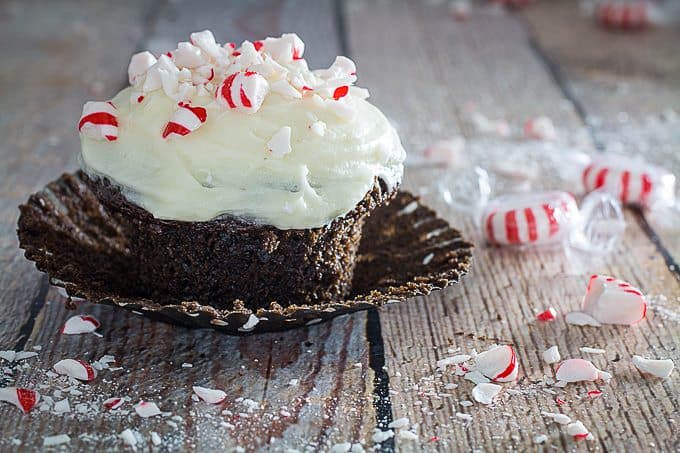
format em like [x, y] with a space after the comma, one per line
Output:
[59, 439]
[99, 121]
[588, 350]
[612, 301]
[279, 145]
[147, 409]
[578, 318]
[399, 423]
[113, 403]
[498, 363]
[15, 356]
[210, 396]
[658, 368]
[184, 120]
[551, 355]
[578, 431]
[80, 324]
[250, 323]
[548, 315]
[485, 392]
[76, 368]
[562, 419]
[129, 438]
[576, 370]
[24, 399]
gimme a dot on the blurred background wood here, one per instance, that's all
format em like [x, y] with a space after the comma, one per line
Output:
[424, 70]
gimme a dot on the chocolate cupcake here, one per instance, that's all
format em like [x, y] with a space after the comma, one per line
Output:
[237, 173]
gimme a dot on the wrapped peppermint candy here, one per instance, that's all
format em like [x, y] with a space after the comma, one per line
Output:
[631, 179]
[549, 218]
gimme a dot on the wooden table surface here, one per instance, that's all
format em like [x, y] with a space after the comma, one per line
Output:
[362, 371]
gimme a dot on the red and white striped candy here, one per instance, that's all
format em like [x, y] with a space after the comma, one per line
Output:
[287, 48]
[99, 121]
[76, 368]
[24, 399]
[80, 324]
[613, 301]
[139, 64]
[113, 403]
[243, 91]
[498, 363]
[185, 120]
[548, 315]
[211, 396]
[633, 181]
[539, 218]
[625, 16]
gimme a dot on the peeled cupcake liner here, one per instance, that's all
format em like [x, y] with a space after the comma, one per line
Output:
[405, 251]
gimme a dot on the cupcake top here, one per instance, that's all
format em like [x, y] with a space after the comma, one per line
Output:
[249, 131]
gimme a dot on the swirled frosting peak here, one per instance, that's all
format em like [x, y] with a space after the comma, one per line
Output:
[209, 129]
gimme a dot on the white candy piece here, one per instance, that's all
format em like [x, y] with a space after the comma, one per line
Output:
[562, 419]
[99, 121]
[661, 368]
[188, 56]
[129, 438]
[540, 128]
[279, 145]
[76, 368]
[551, 355]
[498, 363]
[399, 423]
[243, 91]
[578, 318]
[287, 48]
[285, 89]
[210, 396]
[59, 439]
[24, 399]
[578, 431]
[139, 64]
[485, 392]
[576, 370]
[113, 403]
[613, 301]
[205, 41]
[147, 409]
[80, 324]
[185, 120]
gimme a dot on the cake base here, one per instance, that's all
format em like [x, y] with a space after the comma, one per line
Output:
[405, 251]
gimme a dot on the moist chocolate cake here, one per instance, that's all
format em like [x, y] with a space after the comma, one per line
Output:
[230, 258]
[236, 173]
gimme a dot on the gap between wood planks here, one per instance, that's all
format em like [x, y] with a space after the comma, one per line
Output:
[561, 82]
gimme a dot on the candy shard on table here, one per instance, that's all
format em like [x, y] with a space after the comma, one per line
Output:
[577, 370]
[661, 368]
[498, 363]
[612, 301]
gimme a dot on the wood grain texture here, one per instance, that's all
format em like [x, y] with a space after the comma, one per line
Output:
[498, 302]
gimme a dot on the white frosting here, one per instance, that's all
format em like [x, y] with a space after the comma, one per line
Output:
[308, 154]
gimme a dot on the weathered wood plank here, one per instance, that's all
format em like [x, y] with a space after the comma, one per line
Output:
[626, 83]
[332, 401]
[59, 57]
[498, 301]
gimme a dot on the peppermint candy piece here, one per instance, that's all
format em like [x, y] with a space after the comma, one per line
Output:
[551, 355]
[289, 47]
[113, 403]
[659, 368]
[185, 120]
[577, 370]
[188, 56]
[536, 219]
[243, 91]
[210, 396]
[279, 146]
[540, 128]
[147, 409]
[578, 431]
[205, 41]
[548, 315]
[80, 324]
[24, 399]
[76, 368]
[99, 121]
[485, 392]
[498, 363]
[625, 16]
[139, 64]
[613, 301]
[632, 180]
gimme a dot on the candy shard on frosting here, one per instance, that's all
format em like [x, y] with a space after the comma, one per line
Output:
[243, 91]
[99, 121]
[279, 145]
[139, 64]
[185, 120]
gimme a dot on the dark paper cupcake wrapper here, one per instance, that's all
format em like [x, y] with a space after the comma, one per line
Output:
[405, 251]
